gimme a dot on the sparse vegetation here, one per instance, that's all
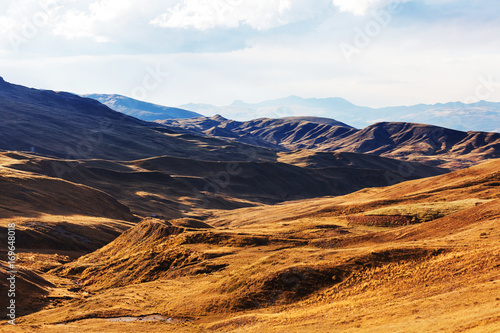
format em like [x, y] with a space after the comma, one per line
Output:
[381, 220]
[421, 212]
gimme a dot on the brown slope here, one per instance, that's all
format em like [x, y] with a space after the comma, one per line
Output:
[408, 141]
[314, 159]
[52, 214]
[480, 182]
[172, 186]
[308, 266]
[27, 194]
[288, 133]
[30, 289]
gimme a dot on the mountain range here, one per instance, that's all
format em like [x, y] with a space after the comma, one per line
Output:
[164, 170]
[480, 116]
[65, 125]
[407, 141]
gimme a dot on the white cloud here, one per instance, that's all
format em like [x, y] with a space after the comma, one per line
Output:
[361, 7]
[258, 14]
[7, 24]
[18, 14]
[79, 23]
[438, 57]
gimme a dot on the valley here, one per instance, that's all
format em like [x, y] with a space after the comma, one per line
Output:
[298, 224]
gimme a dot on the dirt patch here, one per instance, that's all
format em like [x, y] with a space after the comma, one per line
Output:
[155, 317]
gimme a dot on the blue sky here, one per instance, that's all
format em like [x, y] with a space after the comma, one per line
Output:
[371, 52]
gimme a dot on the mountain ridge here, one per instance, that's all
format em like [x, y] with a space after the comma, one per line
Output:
[407, 141]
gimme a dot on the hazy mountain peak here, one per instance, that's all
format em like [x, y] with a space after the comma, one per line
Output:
[140, 109]
[238, 102]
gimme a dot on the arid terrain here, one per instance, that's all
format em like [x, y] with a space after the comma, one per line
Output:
[153, 228]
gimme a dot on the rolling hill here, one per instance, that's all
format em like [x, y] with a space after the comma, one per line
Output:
[175, 187]
[26, 194]
[407, 141]
[214, 225]
[303, 266]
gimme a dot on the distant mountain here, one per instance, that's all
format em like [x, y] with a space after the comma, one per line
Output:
[142, 110]
[292, 106]
[480, 116]
[431, 144]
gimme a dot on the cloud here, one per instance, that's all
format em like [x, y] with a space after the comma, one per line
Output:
[253, 49]
[258, 14]
[361, 7]
[7, 24]
[85, 23]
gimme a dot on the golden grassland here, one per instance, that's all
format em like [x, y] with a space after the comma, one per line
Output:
[294, 267]
[448, 283]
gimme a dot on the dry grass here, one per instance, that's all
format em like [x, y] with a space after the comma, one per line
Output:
[298, 267]
[426, 211]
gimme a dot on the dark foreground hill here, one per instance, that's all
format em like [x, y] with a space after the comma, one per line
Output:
[66, 125]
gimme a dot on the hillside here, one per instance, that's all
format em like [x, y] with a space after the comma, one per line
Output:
[68, 126]
[412, 142]
[214, 225]
[282, 134]
[303, 266]
[26, 194]
[175, 187]
[141, 110]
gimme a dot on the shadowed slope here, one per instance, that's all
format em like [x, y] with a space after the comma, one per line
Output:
[172, 186]
[29, 289]
[66, 125]
[26, 194]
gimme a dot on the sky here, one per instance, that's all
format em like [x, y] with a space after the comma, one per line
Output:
[371, 52]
